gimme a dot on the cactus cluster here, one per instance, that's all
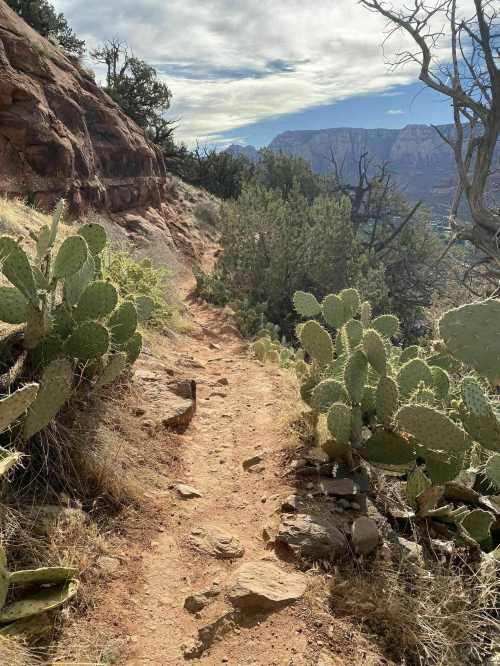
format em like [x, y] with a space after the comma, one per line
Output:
[404, 411]
[54, 586]
[73, 319]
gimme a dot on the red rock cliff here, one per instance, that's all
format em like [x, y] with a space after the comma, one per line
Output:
[60, 134]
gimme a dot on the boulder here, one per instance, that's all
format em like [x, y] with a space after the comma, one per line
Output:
[262, 586]
[215, 542]
[311, 537]
[365, 535]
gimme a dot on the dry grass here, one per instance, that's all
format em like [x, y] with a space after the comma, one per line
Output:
[19, 219]
[441, 615]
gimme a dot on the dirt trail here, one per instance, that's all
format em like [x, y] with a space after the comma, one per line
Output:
[234, 422]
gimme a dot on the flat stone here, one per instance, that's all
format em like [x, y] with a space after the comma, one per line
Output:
[259, 585]
[365, 535]
[184, 388]
[411, 551]
[311, 537]
[338, 487]
[108, 564]
[178, 412]
[187, 492]
[215, 542]
[249, 463]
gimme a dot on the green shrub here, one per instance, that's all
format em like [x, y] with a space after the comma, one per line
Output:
[135, 278]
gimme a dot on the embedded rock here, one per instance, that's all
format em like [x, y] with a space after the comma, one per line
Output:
[311, 537]
[215, 542]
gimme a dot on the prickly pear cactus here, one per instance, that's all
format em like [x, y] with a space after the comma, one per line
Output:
[352, 301]
[374, 348]
[387, 399]
[334, 311]
[95, 236]
[478, 417]
[98, 300]
[386, 448]
[432, 429]
[70, 258]
[470, 334]
[416, 483]
[16, 404]
[339, 422]
[55, 389]
[12, 305]
[326, 393]
[477, 524]
[411, 374]
[317, 342]
[113, 369]
[366, 314]
[88, 340]
[123, 322]
[305, 304]
[355, 375]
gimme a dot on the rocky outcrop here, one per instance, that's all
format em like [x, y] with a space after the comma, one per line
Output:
[61, 135]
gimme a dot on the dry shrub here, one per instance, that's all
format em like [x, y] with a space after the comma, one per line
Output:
[14, 653]
[443, 615]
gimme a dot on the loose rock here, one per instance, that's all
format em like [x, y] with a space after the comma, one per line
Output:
[365, 535]
[311, 536]
[411, 551]
[196, 602]
[187, 492]
[261, 586]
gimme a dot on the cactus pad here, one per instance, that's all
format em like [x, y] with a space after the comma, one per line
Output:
[70, 258]
[441, 468]
[416, 483]
[432, 429]
[145, 306]
[478, 417]
[352, 301]
[260, 349]
[16, 404]
[366, 314]
[305, 304]
[123, 322]
[342, 344]
[12, 305]
[113, 369]
[386, 325]
[17, 269]
[441, 383]
[75, 284]
[339, 422]
[42, 576]
[470, 334]
[375, 351]
[492, 470]
[409, 353]
[473, 397]
[88, 340]
[354, 332]
[478, 524]
[355, 374]
[317, 342]
[387, 398]
[389, 448]
[326, 393]
[55, 389]
[411, 374]
[133, 348]
[95, 235]
[98, 300]
[334, 312]
[48, 599]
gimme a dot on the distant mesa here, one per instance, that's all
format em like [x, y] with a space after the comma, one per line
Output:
[422, 164]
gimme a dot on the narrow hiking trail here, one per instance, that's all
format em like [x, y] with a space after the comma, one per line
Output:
[240, 415]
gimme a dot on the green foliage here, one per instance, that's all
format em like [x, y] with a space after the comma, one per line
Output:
[142, 281]
[70, 318]
[317, 342]
[41, 16]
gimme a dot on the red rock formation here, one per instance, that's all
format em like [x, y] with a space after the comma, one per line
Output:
[61, 135]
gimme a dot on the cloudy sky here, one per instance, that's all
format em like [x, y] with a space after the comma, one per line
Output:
[245, 70]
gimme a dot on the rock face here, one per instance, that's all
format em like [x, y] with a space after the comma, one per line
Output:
[262, 586]
[61, 135]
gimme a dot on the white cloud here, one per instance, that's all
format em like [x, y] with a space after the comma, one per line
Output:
[230, 63]
[394, 112]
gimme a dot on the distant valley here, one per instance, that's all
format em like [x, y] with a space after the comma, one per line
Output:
[420, 161]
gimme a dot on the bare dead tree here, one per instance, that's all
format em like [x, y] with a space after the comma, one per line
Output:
[470, 78]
